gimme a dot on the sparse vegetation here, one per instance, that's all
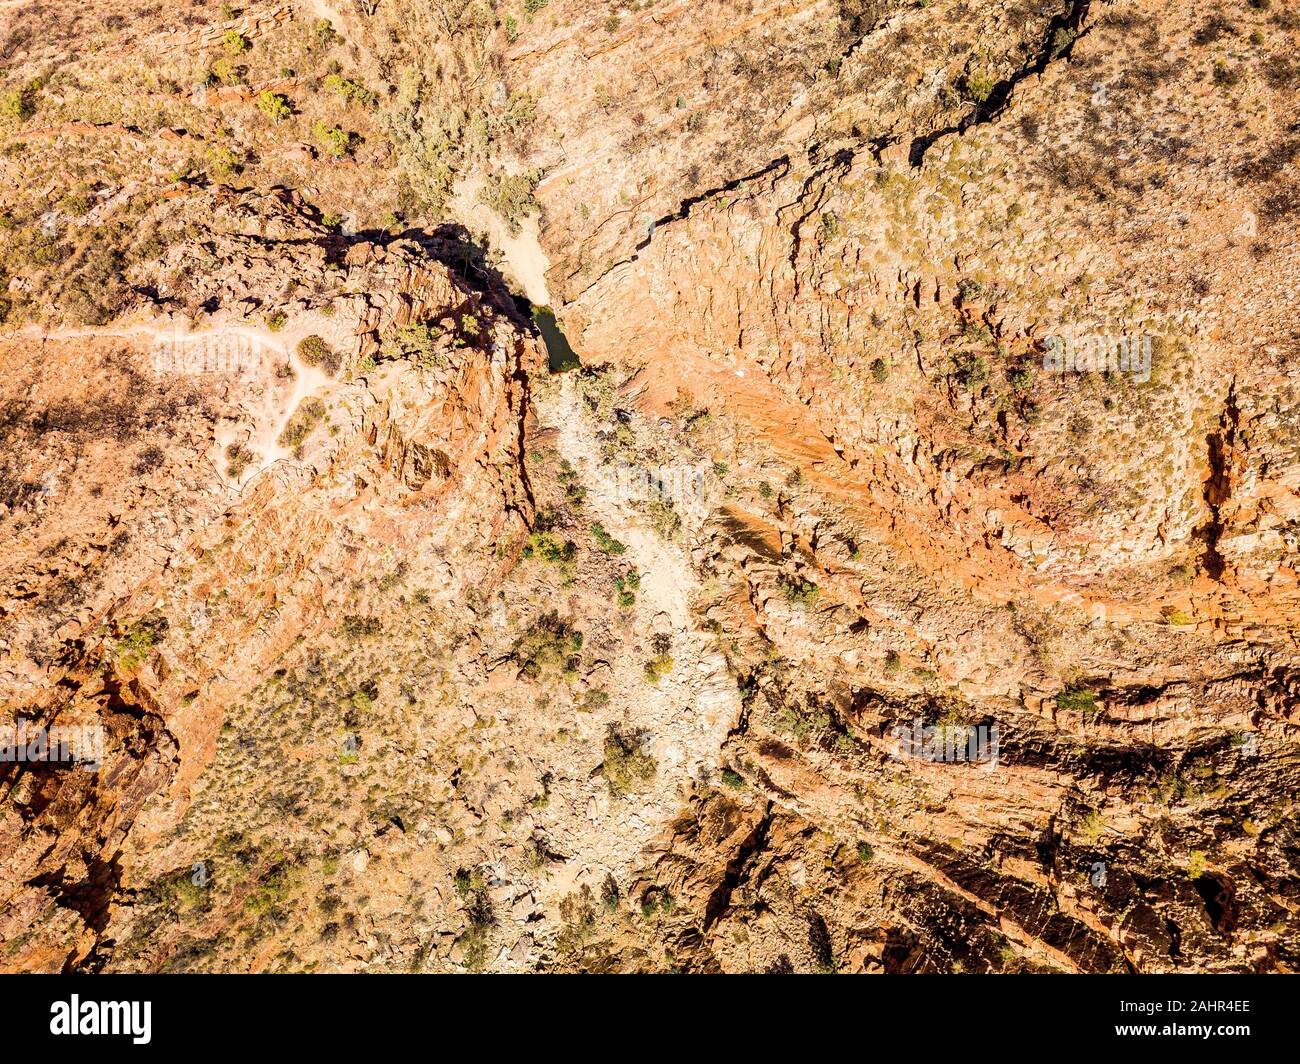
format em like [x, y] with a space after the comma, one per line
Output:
[627, 767]
[800, 592]
[1078, 700]
[550, 645]
[314, 351]
[605, 541]
[309, 414]
[332, 139]
[274, 105]
[511, 196]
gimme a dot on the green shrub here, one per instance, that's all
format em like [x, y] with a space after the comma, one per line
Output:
[658, 667]
[324, 33]
[549, 547]
[223, 70]
[549, 644]
[978, 86]
[274, 105]
[974, 373]
[800, 592]
[1078, 700]
[273, 890]
[332, 139]
[235, 42]
[1062, 39]
[627, 766]
[309, 414]
[663, 518]
[180, 890]
[605, 541]
[628, 585]
[16, 105]
[223, 163]
[511, 196]
[350, 90]
[314, 351]
[417, 341]
[134, 647]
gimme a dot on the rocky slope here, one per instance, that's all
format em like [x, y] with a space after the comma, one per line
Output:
[412, 655]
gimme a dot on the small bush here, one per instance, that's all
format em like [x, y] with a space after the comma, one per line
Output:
[978, 86]
[332, 139]
[1078, 700]
[350, 90]
[550, 644]
[658, 667]
[550, 547]
[16, 105]
[605, 541]
[309, 414]
[314, 351]
[274, 105]
[511, 196]
[324, 33]
[1062, 39]
[663, 518]
[223, 163]
[272, 891]
[800, 592]
[627, 766]
[627, 585]
[133, 649]
[418, 341]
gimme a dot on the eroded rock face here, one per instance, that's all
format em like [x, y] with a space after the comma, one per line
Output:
[950, 533]
[905, 582]
[155, 574]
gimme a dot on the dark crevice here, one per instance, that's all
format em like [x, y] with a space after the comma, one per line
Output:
[721, 896]
[684, 208]
[1069, 22]
[1220, 901]
[1218, 485]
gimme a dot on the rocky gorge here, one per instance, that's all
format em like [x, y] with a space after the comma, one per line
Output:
[897, 574]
